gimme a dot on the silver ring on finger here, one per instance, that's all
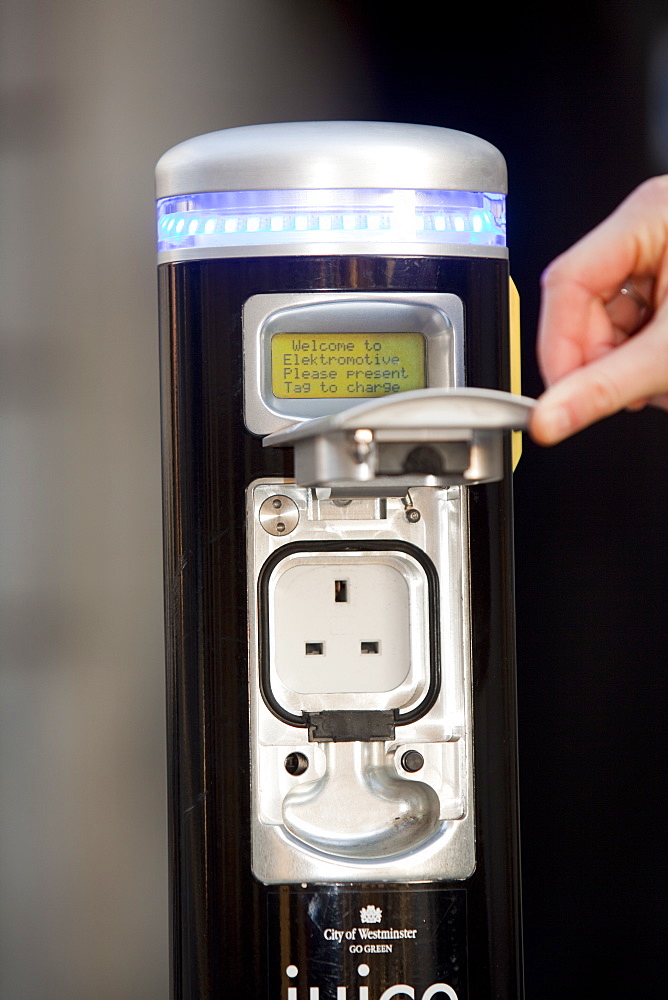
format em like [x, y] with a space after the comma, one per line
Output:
[630, 291]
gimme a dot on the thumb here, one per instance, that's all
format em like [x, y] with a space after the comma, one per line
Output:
[637, 370]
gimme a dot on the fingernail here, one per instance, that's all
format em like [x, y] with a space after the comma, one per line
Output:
[554, 424]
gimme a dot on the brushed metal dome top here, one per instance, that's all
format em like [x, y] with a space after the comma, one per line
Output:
[326, 155]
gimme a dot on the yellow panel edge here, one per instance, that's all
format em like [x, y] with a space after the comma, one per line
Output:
[515, 361]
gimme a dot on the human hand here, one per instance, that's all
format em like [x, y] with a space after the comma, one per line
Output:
[603, 329]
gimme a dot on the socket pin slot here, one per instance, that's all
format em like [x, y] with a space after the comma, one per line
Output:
[314, 648]
[369, 647]
[341, 591]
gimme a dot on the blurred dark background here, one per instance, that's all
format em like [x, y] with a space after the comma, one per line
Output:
[576, 97]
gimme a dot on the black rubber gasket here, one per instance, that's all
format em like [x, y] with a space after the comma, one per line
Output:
[304, 721]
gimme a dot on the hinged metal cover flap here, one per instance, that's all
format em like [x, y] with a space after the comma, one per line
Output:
[437, 437]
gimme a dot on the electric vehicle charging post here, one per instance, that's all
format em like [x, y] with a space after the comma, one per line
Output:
[336, 367]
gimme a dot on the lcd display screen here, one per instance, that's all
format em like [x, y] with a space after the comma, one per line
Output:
[346, 365]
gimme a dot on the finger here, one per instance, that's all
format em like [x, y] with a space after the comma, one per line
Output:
[630, 308]
[633, 372]
[581, 284]
[630, 241]
[573, 326]
[661, 402]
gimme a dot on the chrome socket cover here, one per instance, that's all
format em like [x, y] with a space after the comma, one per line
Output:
[393, 803]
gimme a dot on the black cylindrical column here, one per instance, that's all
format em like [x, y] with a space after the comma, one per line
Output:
[379, 214]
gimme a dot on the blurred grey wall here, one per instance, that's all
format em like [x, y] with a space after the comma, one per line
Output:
[91, 93]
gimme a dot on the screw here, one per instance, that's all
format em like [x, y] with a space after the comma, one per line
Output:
[412, 761]
[296, 763]
[278, 515]
[412, 515]
[362, 445]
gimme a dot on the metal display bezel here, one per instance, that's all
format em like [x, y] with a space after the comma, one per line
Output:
[439, 317]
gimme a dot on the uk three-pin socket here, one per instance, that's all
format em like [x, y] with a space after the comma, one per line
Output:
[343, 624]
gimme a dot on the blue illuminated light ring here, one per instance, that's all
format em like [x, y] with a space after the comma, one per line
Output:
[245, 218]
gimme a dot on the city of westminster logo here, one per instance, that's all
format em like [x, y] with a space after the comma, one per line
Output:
[371, 914]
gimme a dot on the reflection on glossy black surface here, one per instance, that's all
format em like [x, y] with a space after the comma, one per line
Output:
[222, 919]
[328, 932]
